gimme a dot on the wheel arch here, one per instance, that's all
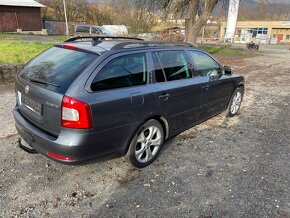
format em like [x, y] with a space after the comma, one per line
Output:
[238, 85]
[241, 85]
[161, 119]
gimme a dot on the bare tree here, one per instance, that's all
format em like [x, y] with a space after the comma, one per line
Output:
[138, 15]
[196, 13]
[264, 10]
[76, 9]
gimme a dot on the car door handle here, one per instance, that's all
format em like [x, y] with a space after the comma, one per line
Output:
[205, 87]
[164, 96]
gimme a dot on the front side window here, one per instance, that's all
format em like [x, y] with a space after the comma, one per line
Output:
[205, 65]
[95, 30]
[170, 65]
[124, 71]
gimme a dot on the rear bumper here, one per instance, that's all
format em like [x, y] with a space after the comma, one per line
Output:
[77, 145]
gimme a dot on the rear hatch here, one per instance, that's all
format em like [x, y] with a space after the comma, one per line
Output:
[43, 82]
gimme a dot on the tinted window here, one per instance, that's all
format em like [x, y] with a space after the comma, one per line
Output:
[57, 66]
[170, 65]
[95, 30]
[125, 71]
[205, 65]
[83, 29]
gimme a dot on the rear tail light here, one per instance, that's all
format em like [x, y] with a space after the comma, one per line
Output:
[59, 157]
[75, 114]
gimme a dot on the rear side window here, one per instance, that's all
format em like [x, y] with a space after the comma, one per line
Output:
[83, 29]
[57, 67]
[124, 71]
[205, 65]
[170, 65]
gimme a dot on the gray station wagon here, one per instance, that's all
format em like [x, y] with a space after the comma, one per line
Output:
[97, 97]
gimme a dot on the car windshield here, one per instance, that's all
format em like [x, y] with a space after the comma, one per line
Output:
[57, 68]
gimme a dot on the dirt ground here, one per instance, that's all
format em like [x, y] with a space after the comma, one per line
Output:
[225, 167]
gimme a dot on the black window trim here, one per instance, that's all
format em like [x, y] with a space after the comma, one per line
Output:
[103, 62]
[163, 72]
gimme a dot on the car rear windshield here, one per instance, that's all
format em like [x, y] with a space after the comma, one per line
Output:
[57, 68]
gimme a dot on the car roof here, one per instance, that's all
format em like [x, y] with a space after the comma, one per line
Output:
[86, 25]
[99, 44]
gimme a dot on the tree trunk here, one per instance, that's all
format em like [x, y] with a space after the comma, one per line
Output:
[190, 32]
[194, 24]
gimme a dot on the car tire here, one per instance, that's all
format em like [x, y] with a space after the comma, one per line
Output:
[146, 144]
[235, 102]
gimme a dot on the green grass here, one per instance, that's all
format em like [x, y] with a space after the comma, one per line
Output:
[19, 51]
[222, 50]
[14, 33]
[5, 37]
[60, 38]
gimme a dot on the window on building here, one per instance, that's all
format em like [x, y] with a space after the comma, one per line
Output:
[265, 30]
[287, 37]
[259, 30]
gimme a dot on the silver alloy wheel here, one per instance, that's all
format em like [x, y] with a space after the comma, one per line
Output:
[148, 144]
[236, 103]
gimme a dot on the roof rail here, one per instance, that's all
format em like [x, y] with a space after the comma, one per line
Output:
[96, 38]
[150, 44]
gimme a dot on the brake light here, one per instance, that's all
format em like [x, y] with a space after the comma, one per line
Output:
[75, 114]
[68, 46]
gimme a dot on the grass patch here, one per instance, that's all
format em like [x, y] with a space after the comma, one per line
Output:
[60, 38]
[222, 51]
[7, 38]
[14, 33]
[20, 52]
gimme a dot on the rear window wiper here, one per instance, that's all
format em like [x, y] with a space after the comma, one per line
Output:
[42, 82]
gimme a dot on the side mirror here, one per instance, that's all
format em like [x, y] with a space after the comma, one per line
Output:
[228, 70]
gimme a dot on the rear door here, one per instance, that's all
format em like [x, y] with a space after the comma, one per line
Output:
[43, 82]
[119, 91]
[216, 88]
[177, 92]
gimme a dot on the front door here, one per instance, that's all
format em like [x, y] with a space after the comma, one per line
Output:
[216, 88]
[177, 92]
